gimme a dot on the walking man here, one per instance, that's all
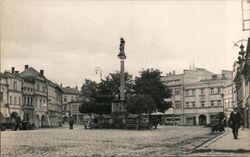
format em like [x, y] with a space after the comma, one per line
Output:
[234, 122]
[71, 123]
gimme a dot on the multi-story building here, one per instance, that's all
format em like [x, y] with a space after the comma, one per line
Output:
[74, 110]
[228, 99]
[175, 82]
[69, 95]
[195, 96]
[242, 83]
[14, 93]
[40, 97]
[203, 100]
[4, 109]
[54, 104]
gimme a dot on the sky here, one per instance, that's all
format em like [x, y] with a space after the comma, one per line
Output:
[69, 39]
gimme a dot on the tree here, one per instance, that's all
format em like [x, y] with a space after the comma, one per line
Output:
[110, 85]
[149, 83]
[88, 106]
[89, 89]
[139, 104]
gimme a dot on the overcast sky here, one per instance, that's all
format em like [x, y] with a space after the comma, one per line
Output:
[68, 39]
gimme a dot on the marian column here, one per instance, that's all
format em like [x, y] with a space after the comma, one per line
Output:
[122, 57]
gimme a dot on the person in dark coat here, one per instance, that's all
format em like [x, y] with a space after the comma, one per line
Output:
[234, 122]
[71, 123]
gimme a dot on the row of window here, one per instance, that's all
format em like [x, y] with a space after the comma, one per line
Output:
[15, 100]
[37, 88]
[202, 91]
[177, 91]
[71, 98]
[202, 104]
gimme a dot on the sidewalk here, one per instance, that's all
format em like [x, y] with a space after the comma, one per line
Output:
[226, 142]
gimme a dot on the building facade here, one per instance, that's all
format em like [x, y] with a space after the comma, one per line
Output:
[38, 96]
[4, 106]
[14, 93]
[74, 110]
[69, 95]
[242, 83]
[197, 96]
[54, 104]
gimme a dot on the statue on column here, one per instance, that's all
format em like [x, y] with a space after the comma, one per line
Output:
[122, 55]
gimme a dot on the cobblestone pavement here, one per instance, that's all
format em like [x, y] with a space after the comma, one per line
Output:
[165, 141]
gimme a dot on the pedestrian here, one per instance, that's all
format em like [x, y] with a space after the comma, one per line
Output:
[71, 123]
[234, 122]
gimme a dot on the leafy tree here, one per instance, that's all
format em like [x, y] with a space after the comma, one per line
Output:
[89, 89]
[139, 104]
[110, 85]
[149, 83]
[88, 106]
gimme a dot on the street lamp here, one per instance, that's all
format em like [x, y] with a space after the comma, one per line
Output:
[98, 69]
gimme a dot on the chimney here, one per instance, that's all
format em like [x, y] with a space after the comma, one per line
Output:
[26, 67]
[61, 84]
[13, 70]
[174, 72]
[16, 72]
[41, 72]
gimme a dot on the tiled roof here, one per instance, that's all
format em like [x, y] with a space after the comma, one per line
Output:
[30, 74]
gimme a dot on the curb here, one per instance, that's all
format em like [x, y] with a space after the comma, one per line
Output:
[203, 147]
[209, 141]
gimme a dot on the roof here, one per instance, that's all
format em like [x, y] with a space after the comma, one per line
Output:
[31, 74]
[68, 90]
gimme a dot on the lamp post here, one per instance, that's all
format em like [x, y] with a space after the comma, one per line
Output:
[98, 69]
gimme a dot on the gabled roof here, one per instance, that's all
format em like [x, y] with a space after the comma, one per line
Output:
[31, 74]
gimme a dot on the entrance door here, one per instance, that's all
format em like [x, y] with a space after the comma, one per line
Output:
[202, 120]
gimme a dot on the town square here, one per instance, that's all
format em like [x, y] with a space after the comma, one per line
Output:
[125, 78]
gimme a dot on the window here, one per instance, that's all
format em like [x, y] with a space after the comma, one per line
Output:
[177, 91]
[219, 103]
[193, 104]
[65, 98]
[31, 101]
[28, 100]
[74, 107]
[72, 98]
[218, 90]
[28, 89]
[177, 104]
[193, 92]
[202, 92]
[187, 92]
[43, 89]
[24, 88]
[40, 103]
[38, 87]
[10, 99]
[187, 105]
[212, 103]
[1, 96]
[24, 100]
[15, 100]
[14, 85]
[202, 104]
[212, 90]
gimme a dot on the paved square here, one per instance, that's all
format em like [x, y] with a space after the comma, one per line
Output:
[166, 140]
